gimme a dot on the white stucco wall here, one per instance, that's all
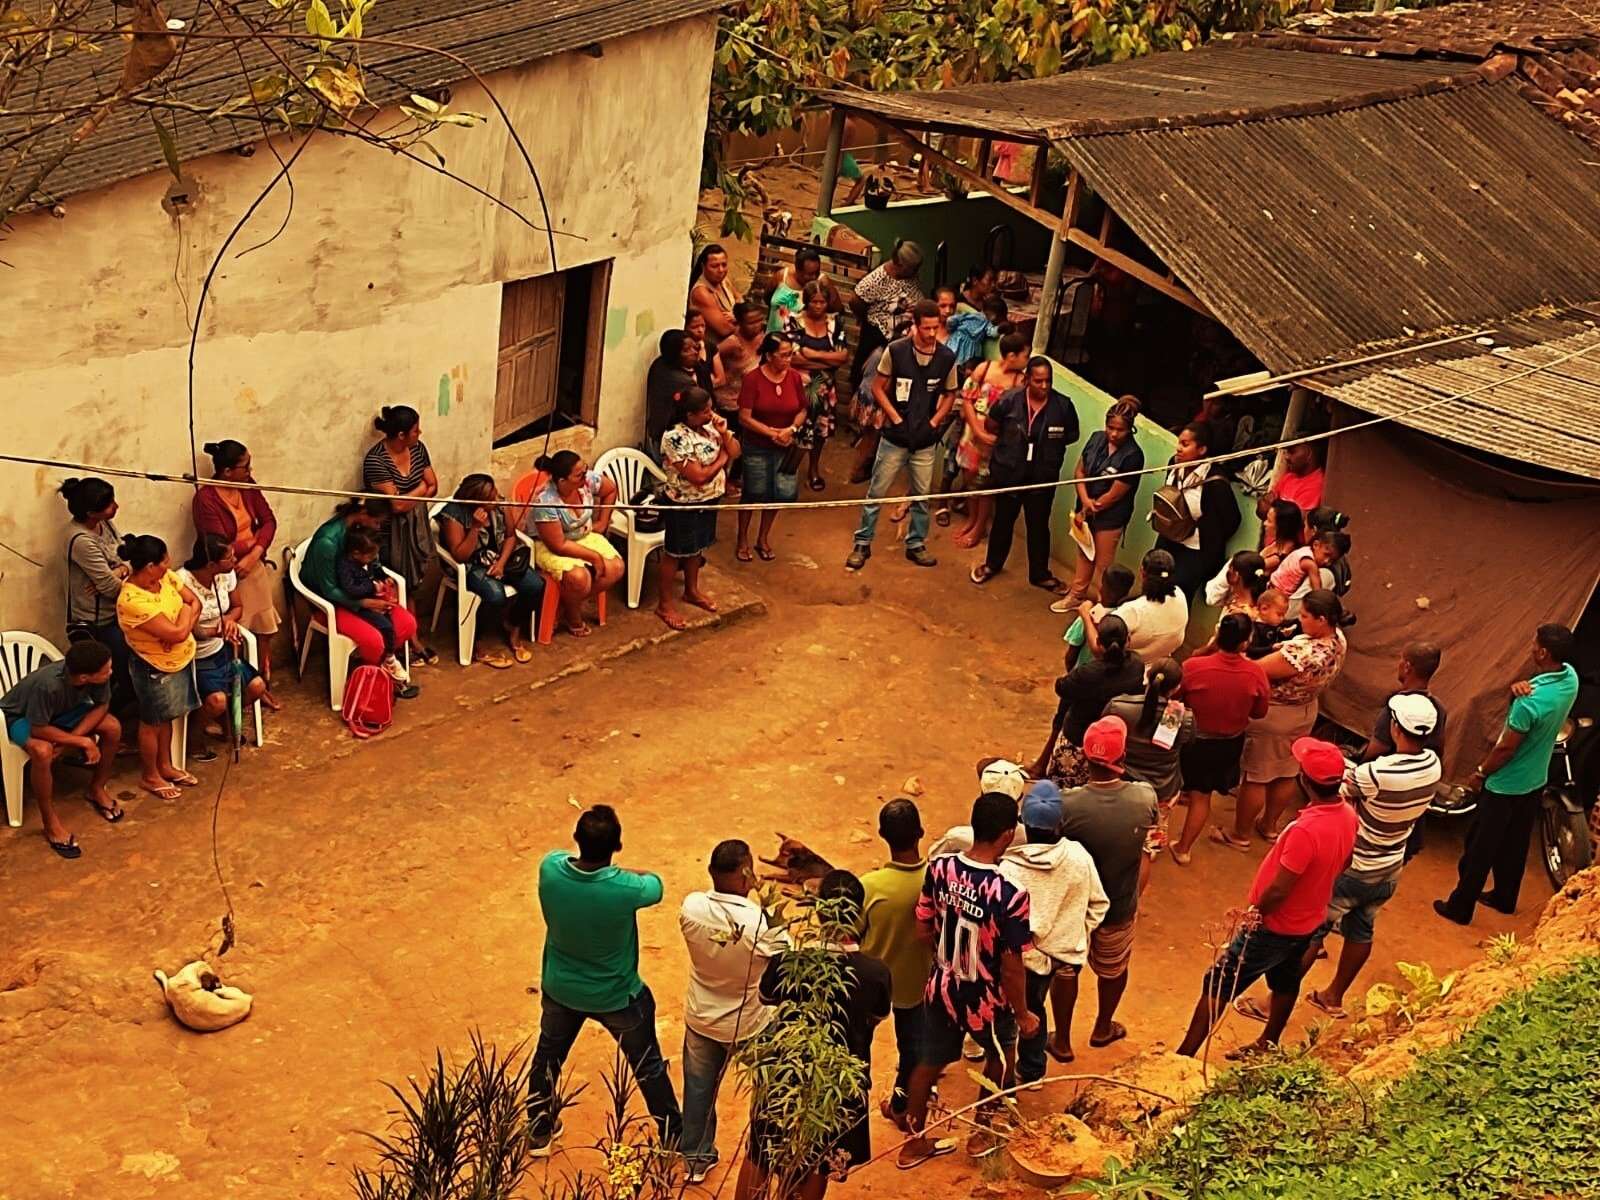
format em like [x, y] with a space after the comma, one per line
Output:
[383, 289]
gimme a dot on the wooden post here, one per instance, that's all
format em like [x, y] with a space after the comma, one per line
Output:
[985, 148]
[1041, 158]
[1050, 290]
[1299, 398]
[830, 164]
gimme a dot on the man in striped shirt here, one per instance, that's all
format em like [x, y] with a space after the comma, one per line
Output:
[1390, 794]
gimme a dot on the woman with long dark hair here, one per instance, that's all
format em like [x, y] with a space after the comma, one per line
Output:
[1105, 505]
[772, 410]
[320, 572]
[1083, 694]
[1282, 532]
[244, 519]
[211, 574]
[1160, 727]
[399, 466]
[158, 612]
[474, 529]
[94, 579]
[710, 294]
[1196, 553]
[669, 377]
[1299, 671]
[821, 349]
[1158, 616]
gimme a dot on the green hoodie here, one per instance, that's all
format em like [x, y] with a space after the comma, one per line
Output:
[318, 568]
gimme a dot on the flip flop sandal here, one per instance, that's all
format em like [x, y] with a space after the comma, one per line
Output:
[671, 620]
[1249, 1009]
[936, 1149]
[744, 555]
[1050, 1049]
[1218, 836]
[184, 779]
[942, 517]
[493, 659]
[109, 815]
[1182, 859]
[1261, 832]
[68, 849]
[766, 553]
[578, 631]
[1317, 1002]
[1049, 584]
[1244, 1053]
[1118, 1032]
[981, 574]
[203, 754]
[818, 485]
[522, 654]
[427, 656]
[166, 791]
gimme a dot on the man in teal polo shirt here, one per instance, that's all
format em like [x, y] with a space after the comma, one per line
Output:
[1511, 779]
[591, 972]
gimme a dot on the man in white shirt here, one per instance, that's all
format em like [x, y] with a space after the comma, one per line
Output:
[729, 944]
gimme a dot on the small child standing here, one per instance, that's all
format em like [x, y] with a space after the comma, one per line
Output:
[363, 580]
[1115, 585]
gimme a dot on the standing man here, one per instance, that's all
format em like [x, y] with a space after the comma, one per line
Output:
[1033, 424]
[62, 707]
[1511, 778]
[729, 945]
[1065, 905]
[891, 936]
[1419, 663]
[591, 972]
[915, 390]
[1390, 794]
[976, 921]
[1110, 817]
[1288, 901]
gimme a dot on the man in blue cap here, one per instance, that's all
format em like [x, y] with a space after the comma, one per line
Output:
[1066, 902]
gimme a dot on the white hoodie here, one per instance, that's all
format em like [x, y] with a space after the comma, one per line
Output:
[1065, 900]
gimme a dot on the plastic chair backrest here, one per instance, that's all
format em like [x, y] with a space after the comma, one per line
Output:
[445, 556]
[21, 654]
[628, 469]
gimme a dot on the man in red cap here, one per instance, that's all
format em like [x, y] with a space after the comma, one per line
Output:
[1288, 901]
[1109, 817]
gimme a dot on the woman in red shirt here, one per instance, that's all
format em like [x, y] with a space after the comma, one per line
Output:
[243, 518]
[772, 407]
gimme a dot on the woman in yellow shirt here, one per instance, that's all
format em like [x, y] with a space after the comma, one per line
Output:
[157, 614]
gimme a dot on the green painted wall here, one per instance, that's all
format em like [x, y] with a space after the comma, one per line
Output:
[962, 224]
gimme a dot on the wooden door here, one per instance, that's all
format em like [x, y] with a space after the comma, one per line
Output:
[530, 345]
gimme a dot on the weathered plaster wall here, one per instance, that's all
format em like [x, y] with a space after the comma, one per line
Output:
[384, 288]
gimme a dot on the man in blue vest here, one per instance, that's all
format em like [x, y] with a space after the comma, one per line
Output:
[1512, 779]
[916, 389]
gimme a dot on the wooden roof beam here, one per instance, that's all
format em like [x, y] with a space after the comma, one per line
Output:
[1138, 270]
[971, 178]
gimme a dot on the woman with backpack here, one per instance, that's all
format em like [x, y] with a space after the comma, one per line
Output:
[1193, 513]
[474, 531]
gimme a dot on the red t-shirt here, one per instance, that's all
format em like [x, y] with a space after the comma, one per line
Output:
[1224, 691]
[1305, 490]
[1316, 847]
[774, 404]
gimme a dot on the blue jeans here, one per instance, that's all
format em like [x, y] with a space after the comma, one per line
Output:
[513, 610]
[704, 1062]
[886, 469]
[634, 1027]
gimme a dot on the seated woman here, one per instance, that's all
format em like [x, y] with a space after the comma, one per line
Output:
[244, 518]
[211, 576]
[474, 531]
[61, 708]
[356, 616]
[158, 612]
[570, 517]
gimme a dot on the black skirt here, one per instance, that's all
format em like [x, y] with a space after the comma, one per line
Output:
[1211, 764]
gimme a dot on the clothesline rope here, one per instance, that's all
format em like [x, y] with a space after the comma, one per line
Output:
[789, 506]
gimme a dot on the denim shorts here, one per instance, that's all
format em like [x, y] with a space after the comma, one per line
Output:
[20, 730]
[1354, 906]
[764, 483]
[162, 695]
[690, 532]
[214, 673]
[1254, 953]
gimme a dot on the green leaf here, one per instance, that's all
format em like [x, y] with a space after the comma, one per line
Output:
[319, 23]
[169, 148]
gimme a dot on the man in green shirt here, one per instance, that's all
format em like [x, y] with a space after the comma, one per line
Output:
[890, 915]
[591, 972]
[1511, 779]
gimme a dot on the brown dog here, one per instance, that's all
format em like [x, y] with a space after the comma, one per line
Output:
[797, 864]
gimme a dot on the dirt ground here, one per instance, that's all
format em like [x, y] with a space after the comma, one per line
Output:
[385, 891]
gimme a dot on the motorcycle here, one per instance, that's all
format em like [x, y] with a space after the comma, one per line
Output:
[1569, 831]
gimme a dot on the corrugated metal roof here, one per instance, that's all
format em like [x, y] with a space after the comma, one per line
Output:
[1311, 237]
[1214, 84]
[1551, 418]
[489, 34]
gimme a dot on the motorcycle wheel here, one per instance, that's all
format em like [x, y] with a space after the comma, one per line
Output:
[1567, 841]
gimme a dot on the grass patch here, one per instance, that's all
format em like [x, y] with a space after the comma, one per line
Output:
[1509, 1111]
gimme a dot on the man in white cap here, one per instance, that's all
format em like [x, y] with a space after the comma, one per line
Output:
[1390, 795]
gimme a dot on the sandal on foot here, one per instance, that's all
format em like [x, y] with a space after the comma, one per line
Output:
[1333, 1010]
[1261, 832]
[1246, 1052]
[1050, 1049]
[705, 602]
[1118, 1032]
[1182, 858]
[522, 654]
[580, 630]
[933, 1149]
[68, 848]
[1224, 838]
[818, 484]
[1050, 584]
[942, 518]
[166, 791]
[671, 619]
[743, 554]
[182, 779]
[1249, 1009]
[766, 553]
[980, 574]
[492, 658]
[109, 815]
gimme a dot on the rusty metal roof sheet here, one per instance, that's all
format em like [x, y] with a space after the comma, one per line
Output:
[1214, 84]
[491, 35]
[1550, 417]
[1312, 237]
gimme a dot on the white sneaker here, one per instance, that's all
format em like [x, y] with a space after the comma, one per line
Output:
[394, 670]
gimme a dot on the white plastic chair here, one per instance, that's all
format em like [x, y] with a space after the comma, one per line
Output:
[453, 578]
[628, 469]
[21, 653]
[180, 727]
[340, 648]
